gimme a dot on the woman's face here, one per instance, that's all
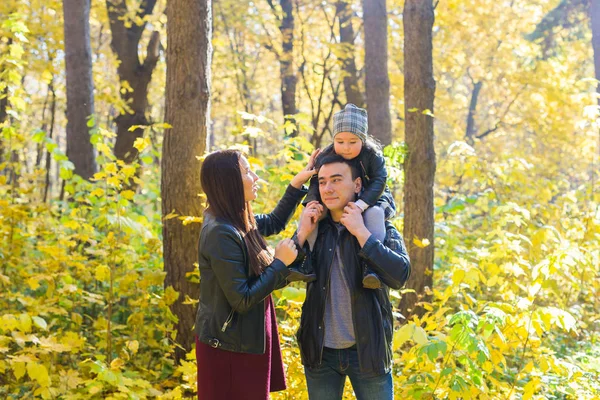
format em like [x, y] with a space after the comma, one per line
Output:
[249, 179]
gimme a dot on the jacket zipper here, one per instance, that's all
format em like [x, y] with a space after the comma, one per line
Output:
[230, 316]
[364, 171]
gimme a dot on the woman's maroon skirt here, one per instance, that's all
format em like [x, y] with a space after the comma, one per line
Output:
[225, 375]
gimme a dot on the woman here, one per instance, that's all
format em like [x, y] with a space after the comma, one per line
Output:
[237, 346]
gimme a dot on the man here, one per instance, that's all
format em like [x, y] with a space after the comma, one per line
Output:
[346, 329]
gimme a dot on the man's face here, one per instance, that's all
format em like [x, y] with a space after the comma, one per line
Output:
[336, 186]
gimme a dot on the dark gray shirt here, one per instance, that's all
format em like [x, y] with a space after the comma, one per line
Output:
[339, 326]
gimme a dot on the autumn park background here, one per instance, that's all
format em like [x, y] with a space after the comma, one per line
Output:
[488, 109]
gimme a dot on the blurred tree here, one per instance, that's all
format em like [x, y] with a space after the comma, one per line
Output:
[566, 15]
[420, 163]
[189, 53]
[347, 35]
[284, 14]
[594, 11]
[80, 86]
[135, 76]
[377, 81]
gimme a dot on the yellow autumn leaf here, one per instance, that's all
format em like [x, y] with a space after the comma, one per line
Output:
[171, 295]
[40, 322]
[133, 346]
[71, 224]
[530, 388]
[25, 323]
[111, 168]
[458, 276]
[141, 143]
[103, 149]
[190, 220]
[33, 283]
[171, 215]
[102, 273]
[421, 243]
[117, 364]
[18, 369]
[128, 194]
[113, 181]
[402, 335]
[98, 192]
[99, 175]
[420, 336]
[39, 373]
[128, 171]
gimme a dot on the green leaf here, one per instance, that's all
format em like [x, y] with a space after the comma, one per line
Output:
[40, 323]
[294, 294]
[39, 137]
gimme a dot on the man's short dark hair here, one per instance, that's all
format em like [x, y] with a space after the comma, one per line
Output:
[336, 158]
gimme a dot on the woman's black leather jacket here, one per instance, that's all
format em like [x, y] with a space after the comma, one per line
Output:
[231, 310]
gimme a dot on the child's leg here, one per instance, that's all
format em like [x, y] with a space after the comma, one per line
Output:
[375, 222]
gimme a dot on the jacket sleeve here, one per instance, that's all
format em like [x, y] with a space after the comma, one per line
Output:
[389, 260]
[274, 222]
[229, 264]
[374, 168]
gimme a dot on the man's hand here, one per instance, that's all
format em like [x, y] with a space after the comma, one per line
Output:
[309, 219]
[352, 219]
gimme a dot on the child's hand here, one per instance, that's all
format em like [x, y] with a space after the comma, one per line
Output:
[307, 172]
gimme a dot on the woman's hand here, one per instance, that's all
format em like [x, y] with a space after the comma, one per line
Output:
[286, 251]
[307, 172]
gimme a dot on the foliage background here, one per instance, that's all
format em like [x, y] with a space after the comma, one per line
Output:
[516, 299]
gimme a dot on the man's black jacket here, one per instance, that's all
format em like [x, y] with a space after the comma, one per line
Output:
[371, 309]
[231, 310]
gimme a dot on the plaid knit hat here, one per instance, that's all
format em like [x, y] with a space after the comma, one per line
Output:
[351, 119]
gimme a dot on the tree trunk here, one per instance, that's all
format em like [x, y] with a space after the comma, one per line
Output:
[3, 115]
[595, 19]
[3, 103]
[594, 11]
[51, 136]
[353, 94]
[125, 43]
[419, 166]
[377, 81]
[80, 86]
[286, 62]
[471, 129]
[187, 103]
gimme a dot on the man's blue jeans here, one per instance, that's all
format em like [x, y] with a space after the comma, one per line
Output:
[326, 382]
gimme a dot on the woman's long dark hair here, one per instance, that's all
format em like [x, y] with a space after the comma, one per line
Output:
[221, 181]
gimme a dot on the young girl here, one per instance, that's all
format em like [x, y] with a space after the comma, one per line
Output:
[350, 140]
